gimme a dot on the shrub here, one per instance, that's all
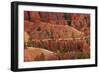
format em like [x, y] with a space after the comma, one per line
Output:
[82, 56]
[40, 58]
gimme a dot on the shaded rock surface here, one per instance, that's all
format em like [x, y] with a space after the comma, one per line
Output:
[38, 54]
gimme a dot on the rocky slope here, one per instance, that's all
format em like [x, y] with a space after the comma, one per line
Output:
[38, 54]
[56, 36]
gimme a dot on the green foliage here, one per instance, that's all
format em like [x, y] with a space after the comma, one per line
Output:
[49, 32]
[82, 56]
[25, 45]
[30, 43]
[61, 51]
[40, 58]
[67, 16]
[42, 44]
[88, 40]
[60, 54]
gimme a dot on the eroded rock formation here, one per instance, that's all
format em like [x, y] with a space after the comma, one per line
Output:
[56, 36]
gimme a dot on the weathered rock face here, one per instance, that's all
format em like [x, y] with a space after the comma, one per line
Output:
[44, 16]
[71, 55]
[81, 22]
[61, 19]
[49, 31]
[46, 29]
[34, 17]
[52, 18]
[29, 26]
[38, 54]
[26, 15]
[49, 17]
[76, 20]
[54, 36]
